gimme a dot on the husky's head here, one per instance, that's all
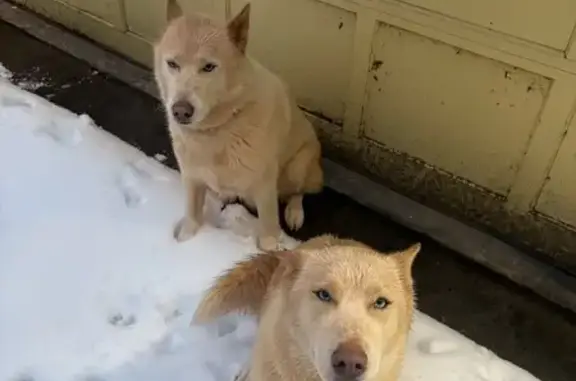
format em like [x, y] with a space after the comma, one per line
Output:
[199, 64]
[349, 307]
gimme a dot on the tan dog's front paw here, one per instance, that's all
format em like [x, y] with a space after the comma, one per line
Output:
[267, 243]
[294, 216]
[185, 229]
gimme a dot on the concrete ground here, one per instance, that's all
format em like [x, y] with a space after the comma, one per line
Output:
[511, 321]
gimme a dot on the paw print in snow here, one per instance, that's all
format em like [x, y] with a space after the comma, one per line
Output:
[172, 315]
[130, 184]
[64, 132]
[120, 320]
[226, 327]
[14, 102]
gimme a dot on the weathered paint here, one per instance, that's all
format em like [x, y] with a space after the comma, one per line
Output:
[110, 11]
[469, 115]
[558, 197]
[546, 22]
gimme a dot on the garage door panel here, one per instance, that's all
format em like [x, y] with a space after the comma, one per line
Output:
[437, 102]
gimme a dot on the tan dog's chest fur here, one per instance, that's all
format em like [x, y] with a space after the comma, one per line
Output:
[235, 157]
[243, 136]
[228, 168]
[298, 334]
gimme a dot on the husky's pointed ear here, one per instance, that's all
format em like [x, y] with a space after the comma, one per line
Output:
[243, 288]
[406, 260]
[238, 28]
[173, 10]
[407, 256]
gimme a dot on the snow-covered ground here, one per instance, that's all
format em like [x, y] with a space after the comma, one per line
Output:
[92, 285]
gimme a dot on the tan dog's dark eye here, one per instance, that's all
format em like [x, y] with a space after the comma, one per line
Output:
[209, 67]
[381, 303]
[323, 295]
[173, 65]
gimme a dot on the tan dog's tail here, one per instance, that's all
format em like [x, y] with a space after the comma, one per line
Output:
[243, 288]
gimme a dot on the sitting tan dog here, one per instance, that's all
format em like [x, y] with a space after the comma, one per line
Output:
[331, 310]
[236, 132]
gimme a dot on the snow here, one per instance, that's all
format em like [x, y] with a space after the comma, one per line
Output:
[5, 74]
[93, 287]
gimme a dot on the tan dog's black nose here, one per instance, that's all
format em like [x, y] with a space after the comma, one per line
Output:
[349, 361]
[182, 112]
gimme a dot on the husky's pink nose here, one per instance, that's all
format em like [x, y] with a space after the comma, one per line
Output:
[182, 112]
[349, 361]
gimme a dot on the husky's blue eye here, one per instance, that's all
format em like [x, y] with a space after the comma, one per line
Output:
[323, 295]
[381, 303]
[173, 65]
[209, 67]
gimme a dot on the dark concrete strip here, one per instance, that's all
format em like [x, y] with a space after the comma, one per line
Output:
[77, 46]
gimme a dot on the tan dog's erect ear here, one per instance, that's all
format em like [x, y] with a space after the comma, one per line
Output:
[409, 255]
[406, 259]
[243, 288]
[238, 28]
[173, 10]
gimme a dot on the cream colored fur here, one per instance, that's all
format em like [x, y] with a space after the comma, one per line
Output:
[247, 138]
[298, 332]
